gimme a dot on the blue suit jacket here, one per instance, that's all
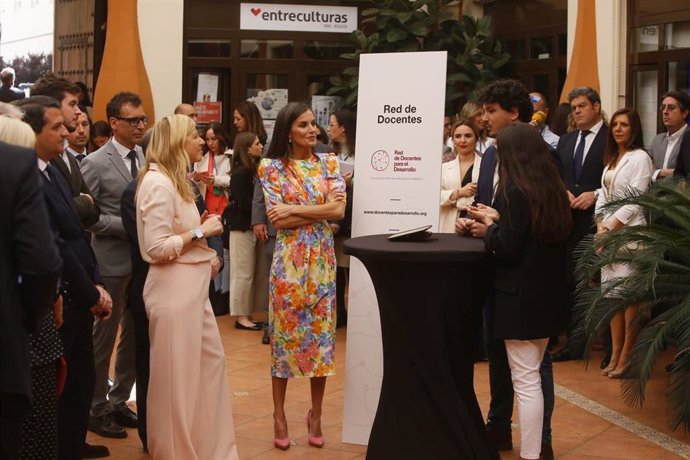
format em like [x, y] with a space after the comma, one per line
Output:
[80, 270]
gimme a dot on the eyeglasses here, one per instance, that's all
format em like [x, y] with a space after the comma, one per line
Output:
[669, 107]
[534, 99]
[134, 121]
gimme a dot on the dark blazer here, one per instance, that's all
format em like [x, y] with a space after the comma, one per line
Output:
[531, 281]
[485, 181]
[140, 269]
[683, 165]
[80, 273]
[239, 215]
[10, 93]
[29, 264]
[592, 169]
[88, 212]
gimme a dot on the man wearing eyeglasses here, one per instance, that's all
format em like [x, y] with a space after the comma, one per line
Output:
[674, 108]
[107, 171]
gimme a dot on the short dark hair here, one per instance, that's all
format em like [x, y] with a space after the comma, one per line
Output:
[34, 109]
[508, 93]
[280, 147]
[53, 86]
[682, 98]
[636, 141]
[586, 91]
[112, 110]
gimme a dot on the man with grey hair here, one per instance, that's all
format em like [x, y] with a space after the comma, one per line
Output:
[582, 157]
[8, 92]
[10, 111]
[675, 110]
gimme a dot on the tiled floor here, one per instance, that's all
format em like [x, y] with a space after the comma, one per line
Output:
[578, 433]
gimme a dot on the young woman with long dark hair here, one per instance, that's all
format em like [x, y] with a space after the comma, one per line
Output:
[526, 233]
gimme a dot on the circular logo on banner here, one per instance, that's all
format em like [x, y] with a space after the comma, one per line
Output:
[380, 160]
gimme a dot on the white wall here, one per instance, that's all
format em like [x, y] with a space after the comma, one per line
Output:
[160, 29]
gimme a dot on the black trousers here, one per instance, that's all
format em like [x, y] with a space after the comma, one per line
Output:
[13, 410]
[75, 403]
[141, 337]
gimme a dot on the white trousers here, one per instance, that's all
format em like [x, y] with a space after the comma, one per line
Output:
[248, 283]
[524, 358]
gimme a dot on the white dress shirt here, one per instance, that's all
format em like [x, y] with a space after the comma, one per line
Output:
[593, 131]
[124, 151]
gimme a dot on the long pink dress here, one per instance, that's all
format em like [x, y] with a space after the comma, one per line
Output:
[189, 414]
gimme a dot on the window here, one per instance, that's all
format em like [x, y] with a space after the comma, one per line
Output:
[677, 35]
[209, 48]
[645, 39]
[267, 49]
[326, 50]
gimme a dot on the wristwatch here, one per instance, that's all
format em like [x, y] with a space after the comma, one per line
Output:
[197, 234]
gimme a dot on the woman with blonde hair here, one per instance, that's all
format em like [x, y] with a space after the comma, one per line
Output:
[16, 132]
[189, 414]
[473, 111]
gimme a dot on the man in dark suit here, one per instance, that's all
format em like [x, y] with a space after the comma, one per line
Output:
[505, 102]
[582, 156]
[77, 124]
[8, 92]
[82, 291]
[29, 270]
[683, 165]
[675, 109]
[135, 295]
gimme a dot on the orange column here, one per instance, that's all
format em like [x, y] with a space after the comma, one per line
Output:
[584, 67]
[123, 66]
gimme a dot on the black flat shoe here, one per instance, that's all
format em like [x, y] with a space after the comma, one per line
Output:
[105, 426]
[247, 328]
[265, 339]
[261, 324]
[94, 451]
[125, 417]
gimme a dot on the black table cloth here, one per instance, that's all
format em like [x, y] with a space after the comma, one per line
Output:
[429, 295]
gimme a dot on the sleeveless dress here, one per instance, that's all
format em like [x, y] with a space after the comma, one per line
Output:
[302, 282]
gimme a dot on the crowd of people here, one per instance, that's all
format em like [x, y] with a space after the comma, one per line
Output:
[150, 233]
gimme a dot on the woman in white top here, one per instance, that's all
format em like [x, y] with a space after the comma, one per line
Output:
[459, 176]
[627, 167]
[212, 176]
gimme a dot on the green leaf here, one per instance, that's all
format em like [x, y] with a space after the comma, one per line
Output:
[418, 29]
[396, 35]
[351, 71]
[459, 77]
[370, 12]
[404, 17]
[500, 61]
[484, 25]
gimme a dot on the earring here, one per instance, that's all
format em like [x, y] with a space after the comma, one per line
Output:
[289, 140]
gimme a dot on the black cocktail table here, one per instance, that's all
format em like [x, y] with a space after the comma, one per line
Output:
[429, 298]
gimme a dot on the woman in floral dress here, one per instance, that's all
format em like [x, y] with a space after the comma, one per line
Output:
[302, 192]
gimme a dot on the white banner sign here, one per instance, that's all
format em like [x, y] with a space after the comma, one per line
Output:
[301, 18]
[397, 187]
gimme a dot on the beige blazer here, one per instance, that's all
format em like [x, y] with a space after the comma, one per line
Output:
[162, 216]
[222, 177]
[633, 171]
[450, 180]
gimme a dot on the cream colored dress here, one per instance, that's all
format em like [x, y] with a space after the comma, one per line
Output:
[189, 414]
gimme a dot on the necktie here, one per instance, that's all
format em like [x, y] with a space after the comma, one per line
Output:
[579, 155]
[80, 157]
[132, 155]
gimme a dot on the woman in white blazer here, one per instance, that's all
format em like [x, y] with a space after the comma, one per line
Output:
[459, 176]
[627, 166]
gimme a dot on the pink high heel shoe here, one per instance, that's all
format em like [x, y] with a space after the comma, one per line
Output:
[313, 440]
[282, 444]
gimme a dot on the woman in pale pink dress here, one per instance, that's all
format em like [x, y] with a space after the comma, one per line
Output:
[189, 414]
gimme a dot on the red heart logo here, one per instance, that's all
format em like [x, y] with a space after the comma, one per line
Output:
[256, 11]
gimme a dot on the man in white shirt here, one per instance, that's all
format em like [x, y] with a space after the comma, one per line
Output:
[675, 108]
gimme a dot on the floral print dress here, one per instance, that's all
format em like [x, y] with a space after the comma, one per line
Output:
[302, 283]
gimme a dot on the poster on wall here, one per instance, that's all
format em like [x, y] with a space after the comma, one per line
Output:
[206, 112]
[323, 107]
[269, 101]
[207, 89]
[398, 182]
